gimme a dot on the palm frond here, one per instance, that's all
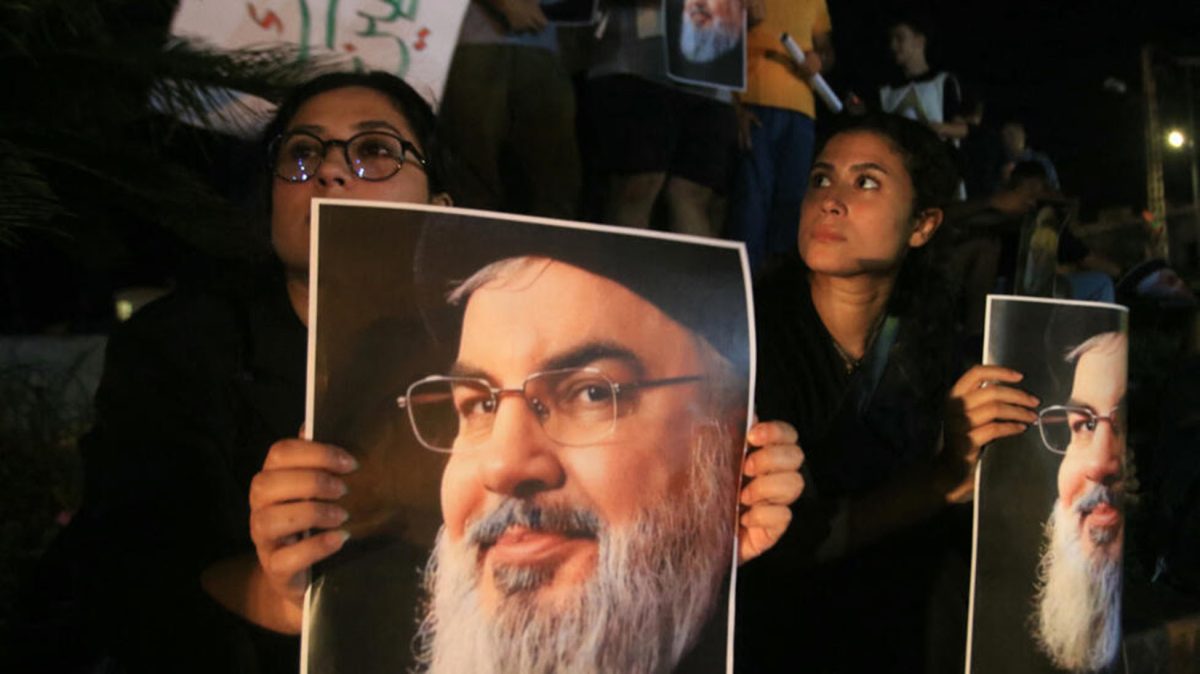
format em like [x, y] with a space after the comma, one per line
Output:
[94, 93]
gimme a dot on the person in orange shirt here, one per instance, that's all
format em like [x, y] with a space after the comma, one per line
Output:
[776, 115]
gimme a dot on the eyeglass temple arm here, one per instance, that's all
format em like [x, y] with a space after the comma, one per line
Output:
[654, 383]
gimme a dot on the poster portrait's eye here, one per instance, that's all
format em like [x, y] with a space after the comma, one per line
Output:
[1082, 422]
[1055, 428]
[581, 391]
[473, 401]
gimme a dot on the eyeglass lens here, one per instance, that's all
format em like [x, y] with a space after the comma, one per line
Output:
[1062, 425]
[371, 155]
[573, 407]
[1056, 429]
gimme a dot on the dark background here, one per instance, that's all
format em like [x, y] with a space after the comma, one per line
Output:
[1045, 62]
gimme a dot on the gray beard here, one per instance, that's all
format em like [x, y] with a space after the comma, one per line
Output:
[705, 45]
[653, 589]
[1078, 618]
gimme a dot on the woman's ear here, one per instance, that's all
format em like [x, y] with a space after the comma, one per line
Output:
[926, 223]
[441, 199]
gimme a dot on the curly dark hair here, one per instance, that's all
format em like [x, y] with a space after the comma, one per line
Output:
[934, 175]
[918, 19]
[930, 164]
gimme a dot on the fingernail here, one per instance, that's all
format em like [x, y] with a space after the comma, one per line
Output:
[349, 463]
[342, 537]
[341, 514]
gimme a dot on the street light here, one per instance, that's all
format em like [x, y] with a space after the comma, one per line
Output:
[1176, 139]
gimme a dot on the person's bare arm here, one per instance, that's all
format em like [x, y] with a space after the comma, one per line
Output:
[981, 409]
[293, 495]
[239, 584]
[823, 48]
[955, 129]
[773, 483]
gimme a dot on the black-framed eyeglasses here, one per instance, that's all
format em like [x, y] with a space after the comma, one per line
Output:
[371, 155]
[1062, 425]
[575, 406]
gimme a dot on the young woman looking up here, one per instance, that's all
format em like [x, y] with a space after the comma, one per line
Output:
[857, 351]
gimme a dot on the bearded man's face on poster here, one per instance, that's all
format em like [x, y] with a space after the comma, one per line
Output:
[588, 459]
[1078, 616]
[709, 29]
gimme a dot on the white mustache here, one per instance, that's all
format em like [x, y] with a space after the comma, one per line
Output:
[1095, 495]
[555, 518]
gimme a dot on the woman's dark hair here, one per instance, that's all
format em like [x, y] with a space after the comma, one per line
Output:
[922, 294]
[1027, 170]
[407, 101]
[929, 162]
[917, 19]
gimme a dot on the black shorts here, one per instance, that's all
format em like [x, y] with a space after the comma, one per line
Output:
[644, 127]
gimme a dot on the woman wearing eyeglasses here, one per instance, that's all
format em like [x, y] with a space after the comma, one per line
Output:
[197, 387]
[182, 574]
[857, 349]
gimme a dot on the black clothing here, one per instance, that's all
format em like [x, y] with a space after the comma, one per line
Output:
[871, 609]
[196, 388]
[1071, 250]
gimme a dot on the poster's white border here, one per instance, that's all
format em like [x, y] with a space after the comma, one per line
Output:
[314, 266]
[987, 333]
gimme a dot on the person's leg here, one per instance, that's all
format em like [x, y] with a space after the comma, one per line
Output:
[750, 200]
[631, 198]
[542, 137]
[718, 212]
[701, 163]
[689, 207]
[793, 161]
[633, 130]
[474, 121]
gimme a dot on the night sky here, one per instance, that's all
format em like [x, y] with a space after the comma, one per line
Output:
[1045, 63]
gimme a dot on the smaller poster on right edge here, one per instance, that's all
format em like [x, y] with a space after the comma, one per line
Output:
[1049, 515]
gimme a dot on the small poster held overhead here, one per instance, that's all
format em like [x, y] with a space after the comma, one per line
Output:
[706, 42]
[1049, 507]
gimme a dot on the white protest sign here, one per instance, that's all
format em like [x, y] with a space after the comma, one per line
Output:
[413, 39]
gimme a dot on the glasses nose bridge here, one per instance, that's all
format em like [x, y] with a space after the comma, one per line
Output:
[1110, 421]
[327, 145]
[521, 392]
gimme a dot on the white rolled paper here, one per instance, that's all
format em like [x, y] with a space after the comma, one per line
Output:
[819, 85]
